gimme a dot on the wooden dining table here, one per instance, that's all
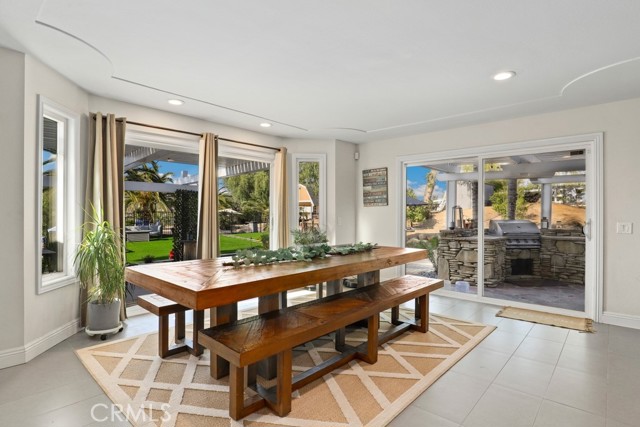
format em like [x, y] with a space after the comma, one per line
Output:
[210, 284]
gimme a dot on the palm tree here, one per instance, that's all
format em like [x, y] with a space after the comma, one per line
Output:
[431, 185]
[147, 202]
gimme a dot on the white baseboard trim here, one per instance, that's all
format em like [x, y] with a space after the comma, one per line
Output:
[619, 319]
[12, 357]
[18, 355]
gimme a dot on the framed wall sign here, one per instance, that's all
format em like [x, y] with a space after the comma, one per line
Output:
[375, 189]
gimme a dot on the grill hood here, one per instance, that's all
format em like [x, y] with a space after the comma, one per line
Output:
[513, 228]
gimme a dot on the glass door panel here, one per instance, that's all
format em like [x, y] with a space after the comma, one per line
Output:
[441, 217]
[534, 246]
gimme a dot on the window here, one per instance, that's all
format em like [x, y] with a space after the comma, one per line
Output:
[57, 226]
[159, 163]
[308, 185]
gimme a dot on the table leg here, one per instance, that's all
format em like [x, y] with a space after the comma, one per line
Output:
[217, 316]
[335, 287]
[198, 323]
[370, 278]
[267, 368]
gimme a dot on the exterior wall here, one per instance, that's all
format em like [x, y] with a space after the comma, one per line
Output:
[621, 127]
[11, 209]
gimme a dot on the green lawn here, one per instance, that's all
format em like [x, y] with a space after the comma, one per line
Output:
[159, 248]
[254, 236]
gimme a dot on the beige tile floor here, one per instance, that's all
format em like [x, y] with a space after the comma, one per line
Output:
[521, 375]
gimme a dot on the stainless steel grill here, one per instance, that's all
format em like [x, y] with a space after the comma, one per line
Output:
[520, 233]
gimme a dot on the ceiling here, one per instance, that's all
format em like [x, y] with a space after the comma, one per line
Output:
[353, 70]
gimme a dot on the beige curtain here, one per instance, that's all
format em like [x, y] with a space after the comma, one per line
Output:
[281, 199]
[207, 244]
[105, 180]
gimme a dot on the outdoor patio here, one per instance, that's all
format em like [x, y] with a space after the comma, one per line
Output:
[551, 293]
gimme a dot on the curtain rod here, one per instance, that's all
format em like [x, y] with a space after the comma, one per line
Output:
[193, 133]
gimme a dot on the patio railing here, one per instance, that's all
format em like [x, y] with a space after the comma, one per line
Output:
[165, 218]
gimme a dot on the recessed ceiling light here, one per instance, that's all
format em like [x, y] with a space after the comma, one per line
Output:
[504, 75]
[265, 125]
[175, 101]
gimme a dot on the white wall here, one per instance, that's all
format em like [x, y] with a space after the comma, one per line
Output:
[341, 214]
[33, 323]
[155, 117]
[56, 311]
[345, 192]
[620, 122]
[11, 208]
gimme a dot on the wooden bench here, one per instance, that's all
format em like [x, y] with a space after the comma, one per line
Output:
[163, 307]
[248, 341]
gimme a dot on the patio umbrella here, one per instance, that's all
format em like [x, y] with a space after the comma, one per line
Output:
[229, 211]
[412, 201]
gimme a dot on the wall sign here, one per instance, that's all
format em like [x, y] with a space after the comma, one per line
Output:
[375, 190]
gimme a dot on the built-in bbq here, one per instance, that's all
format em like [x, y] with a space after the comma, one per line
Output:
[522, 246]
[519, 233]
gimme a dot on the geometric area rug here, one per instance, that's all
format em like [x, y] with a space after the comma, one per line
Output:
[178, 391]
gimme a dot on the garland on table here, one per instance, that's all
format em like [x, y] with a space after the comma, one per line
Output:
[307, 253]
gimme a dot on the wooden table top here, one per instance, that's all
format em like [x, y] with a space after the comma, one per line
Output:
[201, 284]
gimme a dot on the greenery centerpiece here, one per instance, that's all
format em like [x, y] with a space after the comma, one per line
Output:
[309, 236]
[300, 253]
[99, 265]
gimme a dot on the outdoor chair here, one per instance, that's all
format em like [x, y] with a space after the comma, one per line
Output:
[155, 229]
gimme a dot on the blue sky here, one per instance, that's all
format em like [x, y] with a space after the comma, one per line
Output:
[177, 168]
[417, 179]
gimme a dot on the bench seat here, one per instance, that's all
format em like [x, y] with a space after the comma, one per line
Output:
[248, 341]
[163, 307]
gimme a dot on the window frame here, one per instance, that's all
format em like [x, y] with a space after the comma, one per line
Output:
[68, 168]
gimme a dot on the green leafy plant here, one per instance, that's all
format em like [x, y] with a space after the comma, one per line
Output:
[302, 253]
[431, 245]
[352, 249]
[309, 236]
[263, 256]
[499, 202]
[99, 262]
[264, 238]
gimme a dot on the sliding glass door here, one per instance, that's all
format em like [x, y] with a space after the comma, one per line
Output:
[534, 217]
[516, 224]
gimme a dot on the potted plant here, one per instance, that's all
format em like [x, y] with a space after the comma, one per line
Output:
[99, 264]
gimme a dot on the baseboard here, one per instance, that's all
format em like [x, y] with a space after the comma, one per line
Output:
[12, 357]
[619, 319]
[19, 355]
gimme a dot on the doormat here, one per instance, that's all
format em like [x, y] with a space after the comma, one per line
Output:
[178, 391]
[559, 320]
